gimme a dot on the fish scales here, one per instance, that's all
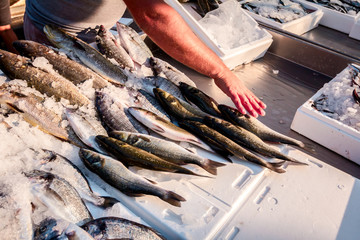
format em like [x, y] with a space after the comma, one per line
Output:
[34, 112]
[130, 155]
[115, 115]
[165, 84]
[228, 144]
[171, 73]
[167, 150]
[87, 54]
[255, 126]
[133, 44]
[16, 66]
[245, 138]
[117, 175]
[120, 228]
[59, 196]
[166, 128]
[200, 99]
[70, 69]
[108, 46]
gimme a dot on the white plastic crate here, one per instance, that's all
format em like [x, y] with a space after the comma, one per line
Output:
[233, 57]
[298, 26]
[327, 131]
[335, 19]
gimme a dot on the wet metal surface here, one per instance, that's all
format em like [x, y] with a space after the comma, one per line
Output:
[283, 86]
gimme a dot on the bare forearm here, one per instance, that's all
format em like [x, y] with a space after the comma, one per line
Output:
[171, 33]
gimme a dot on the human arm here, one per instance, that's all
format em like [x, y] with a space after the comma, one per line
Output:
[6, 32]
[170, 32]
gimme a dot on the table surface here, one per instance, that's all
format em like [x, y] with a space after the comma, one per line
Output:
[283, 86]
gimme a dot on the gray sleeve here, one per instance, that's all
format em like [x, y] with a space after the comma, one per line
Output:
[5, 15]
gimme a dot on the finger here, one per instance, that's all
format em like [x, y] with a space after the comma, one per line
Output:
[238, 104]
[246, 103]
[256, 106]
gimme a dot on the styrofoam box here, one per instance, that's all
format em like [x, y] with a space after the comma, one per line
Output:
[327, 131]
[234, 57]
[298, 26]
[335, 19]
[355, 30]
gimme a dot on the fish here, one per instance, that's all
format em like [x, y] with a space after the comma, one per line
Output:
[245, 138]
[255, 126]
[70, 69]
[134, 156]
[159, 66]
[56, 229]
[200, 99]
[120, 228]
[173, 106]
[117, 175]
[18, 67]
[166, 128]
[88, 55]
[166, 150]
[59, 196]
[230, 145]
[86, 128]
[33, 112]
[108, 45]
[151, 82]
[150, 103]
[57, 164]
[115, 115]
[131, 41]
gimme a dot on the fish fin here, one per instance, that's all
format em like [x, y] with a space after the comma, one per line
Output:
[276, 167]
[173, 198]
[211, 166]
[309, 147]
[153, 182]
[297, 162]
[108, 202]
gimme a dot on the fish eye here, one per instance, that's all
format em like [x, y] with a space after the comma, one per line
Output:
[42, 229]
[86, 228]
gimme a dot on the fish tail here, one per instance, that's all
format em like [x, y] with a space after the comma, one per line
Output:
[272, 166]
[187, 171]
[173, 198]
[211, 166]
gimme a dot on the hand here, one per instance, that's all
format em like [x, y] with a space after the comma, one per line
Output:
[242, 97]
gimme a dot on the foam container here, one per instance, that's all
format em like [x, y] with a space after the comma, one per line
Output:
[355, 30]
[327, 131]
[297, 26]
[234, 57]
[335, 19]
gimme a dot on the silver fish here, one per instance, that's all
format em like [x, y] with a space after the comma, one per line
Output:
[115, 114]
[117, 175]
[16, 66]
[55, 163]
[120, 228]
[70, 69]
[151, 82]
[171, 73]
[133, 44]
[87, 54]
[108, 46]
[167, 150]
[59, 196]
[166, 128]
[86, 128]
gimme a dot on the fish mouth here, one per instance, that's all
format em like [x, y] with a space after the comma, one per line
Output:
[87, 156]
[20, 45]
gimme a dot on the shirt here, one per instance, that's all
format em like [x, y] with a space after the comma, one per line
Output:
[80, 17]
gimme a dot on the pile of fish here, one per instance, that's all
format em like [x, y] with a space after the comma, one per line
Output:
[351, 7]
[281, 11]
[116, 115]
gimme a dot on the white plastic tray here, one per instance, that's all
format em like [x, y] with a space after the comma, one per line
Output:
[298, 26]
[234, 57]
[335, 19]
[327, 131]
